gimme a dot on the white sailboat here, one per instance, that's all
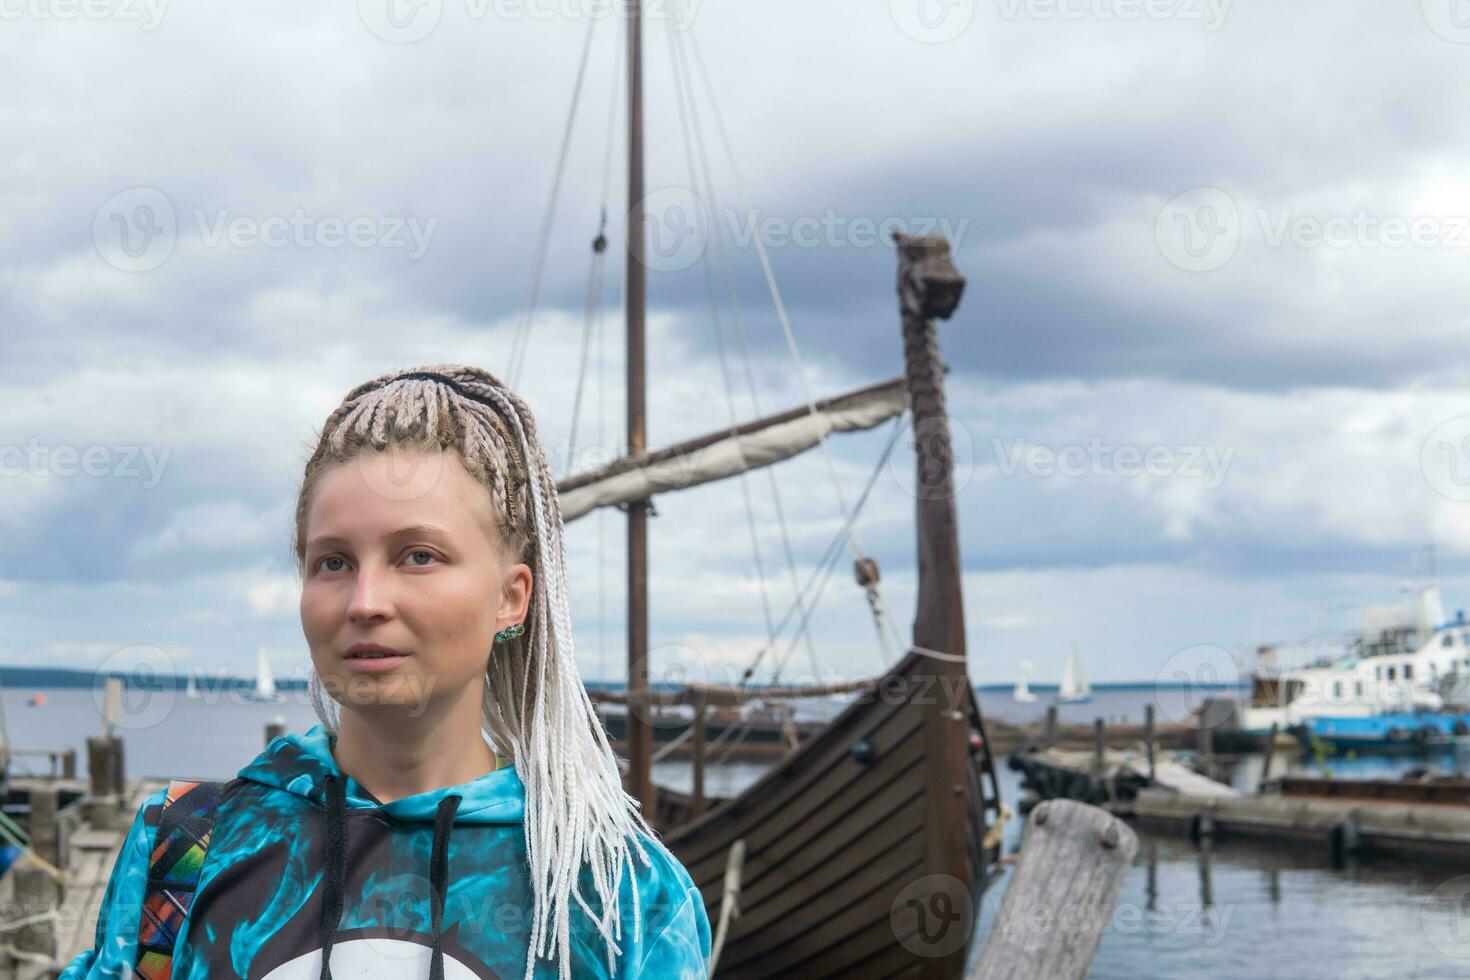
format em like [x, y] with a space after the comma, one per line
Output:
[1073, 689]
[1023, 692]
[191, 689]
[265, 681]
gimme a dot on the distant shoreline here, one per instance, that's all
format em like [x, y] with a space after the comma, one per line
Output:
[68, 678]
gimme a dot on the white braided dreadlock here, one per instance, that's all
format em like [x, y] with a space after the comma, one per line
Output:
[535, 709]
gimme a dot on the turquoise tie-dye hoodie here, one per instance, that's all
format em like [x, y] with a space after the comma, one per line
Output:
[261, 909]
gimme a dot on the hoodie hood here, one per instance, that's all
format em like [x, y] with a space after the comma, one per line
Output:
[300, 764]
[304, 766]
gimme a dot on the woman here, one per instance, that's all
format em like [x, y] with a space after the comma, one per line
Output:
[458, 812]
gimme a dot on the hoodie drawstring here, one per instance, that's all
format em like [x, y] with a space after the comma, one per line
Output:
[439, 879]
[336, 872]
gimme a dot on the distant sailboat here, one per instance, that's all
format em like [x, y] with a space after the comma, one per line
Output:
[1073, 689]
[265, 681]
[1023, 690]
[192, 689]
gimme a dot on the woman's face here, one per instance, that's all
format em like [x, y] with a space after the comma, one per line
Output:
[401, 553]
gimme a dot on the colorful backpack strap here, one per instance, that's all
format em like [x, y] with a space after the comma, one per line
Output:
[179, 846]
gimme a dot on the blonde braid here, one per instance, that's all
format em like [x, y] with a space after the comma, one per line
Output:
[535, 710]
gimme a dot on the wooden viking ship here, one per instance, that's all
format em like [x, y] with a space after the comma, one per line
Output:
[864, 851]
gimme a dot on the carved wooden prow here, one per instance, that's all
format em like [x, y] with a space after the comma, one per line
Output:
[929, 287]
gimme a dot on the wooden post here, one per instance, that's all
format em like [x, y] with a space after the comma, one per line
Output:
[1148, 739]
[1204, 751]
[1206, 872]
[69, 764]
[34, 892]
[1049, 738]
[1099, 748]
[99, 766]
[1073, 861]
[929, 288]
[105, 790]
[1151, 878]
[1270, 754]
[119, 774]
[273, 730]
[699, 723]
[44, 828]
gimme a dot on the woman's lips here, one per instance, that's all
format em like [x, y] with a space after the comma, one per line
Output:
[374, 664]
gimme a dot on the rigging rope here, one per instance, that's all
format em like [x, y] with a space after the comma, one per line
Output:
[521, 340]
[827, 561]
[593, 312]
[685, 111]
[612, 118]
[876, 598]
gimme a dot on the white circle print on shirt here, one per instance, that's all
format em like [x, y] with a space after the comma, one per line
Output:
[371, 959]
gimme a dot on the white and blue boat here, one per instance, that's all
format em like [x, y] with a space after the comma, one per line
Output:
[1405, 682]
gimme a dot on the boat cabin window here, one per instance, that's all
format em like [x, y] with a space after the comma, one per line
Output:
[1390, 673]
[1337, 690]
[1448, 640]
[1408, 672]
[1358, 688]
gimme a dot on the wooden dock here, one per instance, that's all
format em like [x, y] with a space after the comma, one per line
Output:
[1337, 822]
[76, 829]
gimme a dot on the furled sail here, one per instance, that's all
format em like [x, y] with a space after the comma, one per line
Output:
[728, 453]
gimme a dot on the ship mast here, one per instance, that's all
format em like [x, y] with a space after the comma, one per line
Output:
[640, 750]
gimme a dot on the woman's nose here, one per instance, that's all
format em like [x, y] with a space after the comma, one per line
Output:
[371, 598]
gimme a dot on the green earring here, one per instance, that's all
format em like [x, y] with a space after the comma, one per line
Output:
[510, 633]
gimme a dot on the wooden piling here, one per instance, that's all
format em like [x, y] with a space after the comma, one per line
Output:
[1099, 747]
[1148, 740]
[1204, 748]
[34, 893]
[105, 780]
[698, 757]
[273, 730]
[47, 840]
[1049, 738]
[1074, 858]
[1270, 754]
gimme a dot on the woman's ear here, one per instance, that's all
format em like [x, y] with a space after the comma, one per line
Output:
[515, 595]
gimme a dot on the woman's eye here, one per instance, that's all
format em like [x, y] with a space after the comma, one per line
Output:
[322, 565]
[414, 555]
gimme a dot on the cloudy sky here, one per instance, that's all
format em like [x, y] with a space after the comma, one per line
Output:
[1208, 380]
